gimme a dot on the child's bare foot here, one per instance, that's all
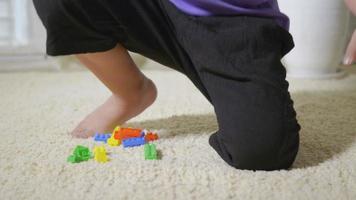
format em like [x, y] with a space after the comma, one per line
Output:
[117, 110]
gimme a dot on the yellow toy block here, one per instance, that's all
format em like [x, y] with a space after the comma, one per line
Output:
[100, 154]
[117, 128]
[113, 142]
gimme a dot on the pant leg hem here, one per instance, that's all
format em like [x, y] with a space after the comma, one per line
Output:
[214, 142]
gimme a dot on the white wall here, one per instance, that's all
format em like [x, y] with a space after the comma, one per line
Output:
[25, 34]
[22, 46]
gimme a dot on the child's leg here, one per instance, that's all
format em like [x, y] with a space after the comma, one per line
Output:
[258, 129]
[238, 61]
[132, 92]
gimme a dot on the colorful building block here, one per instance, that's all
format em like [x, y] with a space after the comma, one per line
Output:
[80, 154]
[116, 132]
[151, 137]
[125, 133]
[116, 129]
[144, 132]
[101, 137]
[113, 142]
[150, 152]
[100, 154]
[132, 142]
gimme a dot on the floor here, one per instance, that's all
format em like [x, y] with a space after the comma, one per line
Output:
[38, 109]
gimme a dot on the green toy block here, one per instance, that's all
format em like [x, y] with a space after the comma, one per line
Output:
[150, 151]
[72, 159]
[80, 154]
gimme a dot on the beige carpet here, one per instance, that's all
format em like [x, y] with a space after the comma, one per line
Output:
[38, 109]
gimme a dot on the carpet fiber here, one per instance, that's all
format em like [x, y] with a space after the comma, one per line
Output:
[38, 109]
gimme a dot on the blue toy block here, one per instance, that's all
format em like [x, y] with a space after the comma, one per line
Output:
[101, 137]
[143, 133]
[132, 142]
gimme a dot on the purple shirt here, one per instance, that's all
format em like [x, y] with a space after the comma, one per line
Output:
[262, 8]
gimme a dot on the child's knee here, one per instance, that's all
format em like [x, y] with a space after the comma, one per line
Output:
[257, 148]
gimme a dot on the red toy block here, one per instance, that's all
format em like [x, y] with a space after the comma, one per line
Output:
[151, 136]
[125, 133]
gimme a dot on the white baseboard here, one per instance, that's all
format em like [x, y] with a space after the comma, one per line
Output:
[28, 63]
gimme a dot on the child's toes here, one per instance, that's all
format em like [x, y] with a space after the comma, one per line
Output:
[81, 133]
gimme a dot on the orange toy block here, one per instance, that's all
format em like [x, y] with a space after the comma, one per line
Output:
[125, 133]
[151, 136]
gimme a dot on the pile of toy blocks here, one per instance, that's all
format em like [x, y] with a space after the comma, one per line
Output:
[128, 137]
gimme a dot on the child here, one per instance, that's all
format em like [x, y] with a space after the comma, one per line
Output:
[230, 50]
[350, 55]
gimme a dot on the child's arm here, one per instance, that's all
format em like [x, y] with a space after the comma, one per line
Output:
[351, 4]
[350, 55]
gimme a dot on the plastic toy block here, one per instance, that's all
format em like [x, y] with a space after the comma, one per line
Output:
[150, 152]
[72, 159]
[116, 132]
[132, 142]
[113, 142]
[151, 136]
[144, 132]
[101, 137]
[80, 154]
[100, 154]
[116, 129]
[125, 133]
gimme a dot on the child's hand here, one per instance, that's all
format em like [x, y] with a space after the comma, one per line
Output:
[351, 4]
[350, 55]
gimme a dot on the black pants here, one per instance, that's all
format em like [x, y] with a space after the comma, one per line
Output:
[233, 60]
